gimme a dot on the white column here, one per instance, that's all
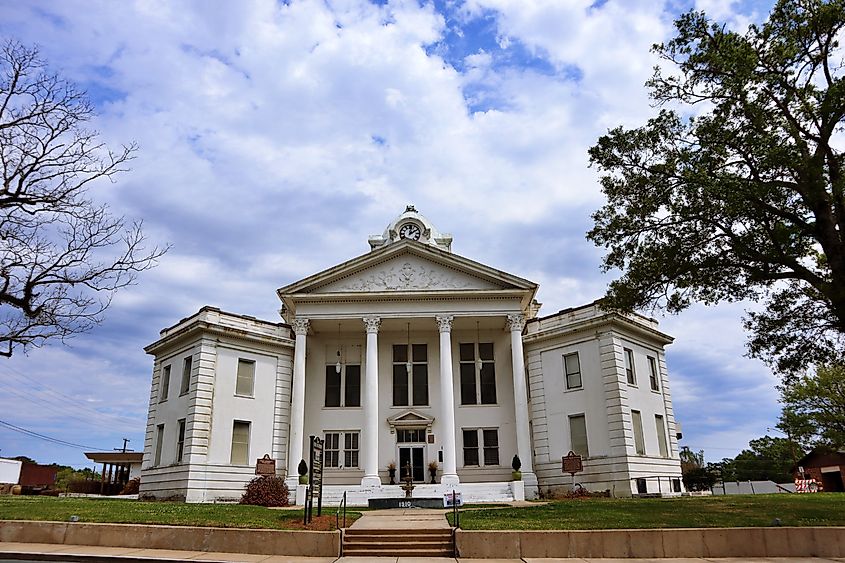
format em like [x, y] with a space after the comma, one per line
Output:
[297, 404]
[447, 401]
[520, 398]
[370, 434]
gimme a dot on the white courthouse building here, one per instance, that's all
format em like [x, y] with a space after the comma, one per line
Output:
[411, 354]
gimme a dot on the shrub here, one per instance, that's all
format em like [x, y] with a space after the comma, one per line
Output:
[515, 463]
[132, 487]
[267, 490]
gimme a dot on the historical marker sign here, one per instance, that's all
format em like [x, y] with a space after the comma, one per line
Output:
[265, 465]
[572, 463]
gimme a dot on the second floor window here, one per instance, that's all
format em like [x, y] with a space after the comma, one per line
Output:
[653, 376]
[410, 386]
[343, 388]
[572, 367]
[478, 374]
[186, 375]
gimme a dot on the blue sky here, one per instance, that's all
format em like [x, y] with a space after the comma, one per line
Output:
[276, 136]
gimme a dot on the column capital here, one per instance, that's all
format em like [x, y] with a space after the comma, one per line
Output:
[301, 325]
[444, 322]
[516, 322]
[372, 324]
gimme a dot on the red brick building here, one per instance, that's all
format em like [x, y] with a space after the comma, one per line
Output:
[826, 467]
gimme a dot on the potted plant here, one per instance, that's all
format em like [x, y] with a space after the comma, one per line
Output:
[516, 464]
[303, 472]
[391, 470]
[432, 470]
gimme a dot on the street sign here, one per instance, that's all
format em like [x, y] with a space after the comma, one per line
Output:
[315, 479]
[265, 465]
[572, 463]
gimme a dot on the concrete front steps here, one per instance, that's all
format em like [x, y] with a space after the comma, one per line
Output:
[357, 495]
[398, 543]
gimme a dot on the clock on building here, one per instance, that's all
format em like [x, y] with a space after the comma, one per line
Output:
[410, 230]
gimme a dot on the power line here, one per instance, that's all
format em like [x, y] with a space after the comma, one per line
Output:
[46, 438]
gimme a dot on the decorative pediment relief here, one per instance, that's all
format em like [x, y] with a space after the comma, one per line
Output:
[406, 273]
[409, 419]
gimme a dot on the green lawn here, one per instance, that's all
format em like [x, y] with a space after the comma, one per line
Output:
[821, 509]
[143, 512]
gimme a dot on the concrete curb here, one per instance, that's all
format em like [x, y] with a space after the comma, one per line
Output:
[187, 538]
[663, 543]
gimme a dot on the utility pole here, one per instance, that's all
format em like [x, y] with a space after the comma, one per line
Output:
[125, 441]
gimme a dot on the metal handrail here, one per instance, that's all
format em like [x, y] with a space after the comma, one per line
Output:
[456, 516]
[342, 505]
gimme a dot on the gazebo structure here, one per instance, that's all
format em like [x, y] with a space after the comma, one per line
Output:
[118, 469]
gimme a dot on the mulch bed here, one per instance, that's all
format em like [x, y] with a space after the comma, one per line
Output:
[324, 523]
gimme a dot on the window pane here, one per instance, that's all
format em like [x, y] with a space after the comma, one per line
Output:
[652, 366]
[331, 450]
[186, 375]
[240, 443]
[352, 393]
[332, 387]
[468, 384]
[246, 378]
[470, 447]
[578, 435]
[420, 352]
[639, 442]
[467, 352]
[661, 435]
[488, 383]
[159, 443]
[485, 350]
[400, 385]
[164, 386]
[572, 366]
[180, 440]
[420, 384]
[491, 447]
[400, 353]
[630, 374]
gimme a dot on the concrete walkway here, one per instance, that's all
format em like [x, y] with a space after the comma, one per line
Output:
[402, 519]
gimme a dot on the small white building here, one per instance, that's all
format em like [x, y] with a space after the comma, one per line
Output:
[411, 354]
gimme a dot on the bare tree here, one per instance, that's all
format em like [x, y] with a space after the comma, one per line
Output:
[62, 256]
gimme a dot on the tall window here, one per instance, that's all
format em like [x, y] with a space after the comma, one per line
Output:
[661, 435]
[629, 367]
[578, 435]
[245, 385]
[159, 443]
[410, 389]
[489, 444]
[478, 378]
[572, 368]
[343, 389]
[639, 443]
[240, 443]
[180, 441]
[336, 456]
[186, 375]
[164, 386]
[653, 374]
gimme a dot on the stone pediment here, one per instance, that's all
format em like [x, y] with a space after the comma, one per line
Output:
[409, 419]
[407, 273]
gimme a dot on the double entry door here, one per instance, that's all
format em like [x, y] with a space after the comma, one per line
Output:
[415, 455]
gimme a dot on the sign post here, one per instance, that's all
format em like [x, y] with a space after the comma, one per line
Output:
[315, 479]
[572, 464]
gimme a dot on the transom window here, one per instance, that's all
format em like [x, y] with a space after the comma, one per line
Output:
[340, 449]
[410, 388]
[410, 435]
[478, 374]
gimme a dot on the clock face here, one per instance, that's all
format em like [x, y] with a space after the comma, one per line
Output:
[411, 231]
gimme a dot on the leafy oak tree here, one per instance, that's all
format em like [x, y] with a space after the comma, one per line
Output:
[62, 256]
[734, 190]
[814, 408]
